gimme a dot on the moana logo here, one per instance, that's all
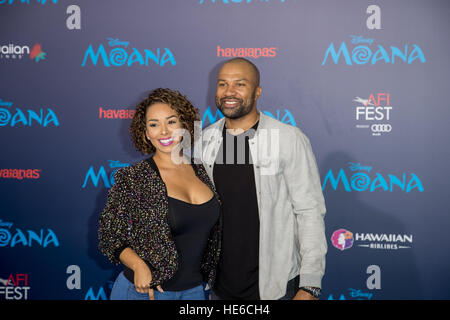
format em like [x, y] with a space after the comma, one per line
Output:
[370, 181]
[118, 53]
[362, 54]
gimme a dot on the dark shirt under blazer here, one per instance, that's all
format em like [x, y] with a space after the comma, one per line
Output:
[136, 216]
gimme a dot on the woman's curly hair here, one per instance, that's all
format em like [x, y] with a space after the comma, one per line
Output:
[186, 112]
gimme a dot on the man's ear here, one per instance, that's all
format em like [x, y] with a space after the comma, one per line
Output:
[258, 92]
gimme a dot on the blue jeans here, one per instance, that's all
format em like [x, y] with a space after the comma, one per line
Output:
[125, 290]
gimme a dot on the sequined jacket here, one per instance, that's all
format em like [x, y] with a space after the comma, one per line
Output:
[136, 216]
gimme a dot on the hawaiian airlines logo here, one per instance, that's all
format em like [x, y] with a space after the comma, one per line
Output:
[360, 53]
[27, 1]
[37, 53]
[283, 115]
[12, 52]
[11, 238]
[119, 53]
[342, 239]
[95, 176]
[15, 116]
[20, 174]
[367, 180]
[269, 52]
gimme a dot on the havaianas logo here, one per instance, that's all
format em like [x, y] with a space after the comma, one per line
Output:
[362, 54]
[362, 181]
[210, 118]
[118, 56]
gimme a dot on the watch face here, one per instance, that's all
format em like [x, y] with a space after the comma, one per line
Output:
[316, 293]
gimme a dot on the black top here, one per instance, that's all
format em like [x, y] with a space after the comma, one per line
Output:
[237, 274]
[190, 225]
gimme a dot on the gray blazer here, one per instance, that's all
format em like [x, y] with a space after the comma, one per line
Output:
[290, 201]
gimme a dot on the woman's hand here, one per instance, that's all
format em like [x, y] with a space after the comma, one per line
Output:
[142, 274]
[142, 279]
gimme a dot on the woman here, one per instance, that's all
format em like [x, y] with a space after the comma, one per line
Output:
[162, 218]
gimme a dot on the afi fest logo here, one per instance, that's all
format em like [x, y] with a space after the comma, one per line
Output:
[119, 53]
[15, 287]
[374, 113]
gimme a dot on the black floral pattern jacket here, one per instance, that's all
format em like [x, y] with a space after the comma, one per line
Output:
[136, 216]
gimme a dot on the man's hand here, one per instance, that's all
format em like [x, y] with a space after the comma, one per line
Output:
[303, 295]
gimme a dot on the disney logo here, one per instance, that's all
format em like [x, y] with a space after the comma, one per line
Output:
[360, 39]
[5, 104]
[5, 224]
[357, 166]
[116, 164]
[354, 293]
[115, 42]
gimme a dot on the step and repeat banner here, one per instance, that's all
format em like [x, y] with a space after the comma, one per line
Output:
[366, 81]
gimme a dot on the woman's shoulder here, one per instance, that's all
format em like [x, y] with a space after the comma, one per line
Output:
[133, 172]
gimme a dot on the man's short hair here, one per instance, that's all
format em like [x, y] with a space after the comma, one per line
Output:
[251, 64]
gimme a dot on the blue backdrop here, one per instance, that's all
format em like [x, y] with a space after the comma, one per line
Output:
[367, 81]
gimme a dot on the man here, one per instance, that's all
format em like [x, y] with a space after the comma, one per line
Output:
[273, 244]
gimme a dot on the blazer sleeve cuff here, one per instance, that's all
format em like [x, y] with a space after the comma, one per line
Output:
[310, 280]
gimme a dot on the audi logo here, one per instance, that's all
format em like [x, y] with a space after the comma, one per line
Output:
[381, 128]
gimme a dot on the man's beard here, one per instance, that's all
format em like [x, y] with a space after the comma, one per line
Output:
[239, 111]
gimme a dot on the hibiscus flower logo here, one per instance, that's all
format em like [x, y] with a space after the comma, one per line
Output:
[37, 53]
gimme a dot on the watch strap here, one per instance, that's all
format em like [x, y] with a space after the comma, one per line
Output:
[314, 291]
